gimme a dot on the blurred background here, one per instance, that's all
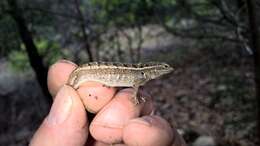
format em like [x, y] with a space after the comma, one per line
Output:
[213, 44]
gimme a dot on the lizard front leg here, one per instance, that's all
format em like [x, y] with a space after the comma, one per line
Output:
[135, 98]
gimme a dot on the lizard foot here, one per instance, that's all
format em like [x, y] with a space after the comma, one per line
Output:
[137, 100]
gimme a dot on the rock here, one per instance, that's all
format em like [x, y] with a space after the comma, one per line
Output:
[181, 131]
[204, 141]
[221, 88]
[181, 93]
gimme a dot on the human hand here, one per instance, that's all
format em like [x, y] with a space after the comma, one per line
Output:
[117, 120]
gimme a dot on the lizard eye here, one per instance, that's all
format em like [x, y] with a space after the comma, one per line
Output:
[166, 66]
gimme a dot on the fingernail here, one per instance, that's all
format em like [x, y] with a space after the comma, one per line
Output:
[145, 120]
[61, 107]
[66, 61]
[152, 113]
[148, 119]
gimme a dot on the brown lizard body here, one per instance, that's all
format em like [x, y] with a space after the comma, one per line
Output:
[118, 74]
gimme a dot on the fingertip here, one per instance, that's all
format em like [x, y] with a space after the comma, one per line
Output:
[95, 95]
[160, 132]
[108, 124]
[58, 75]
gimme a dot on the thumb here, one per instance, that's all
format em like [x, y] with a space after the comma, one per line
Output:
[66, 123]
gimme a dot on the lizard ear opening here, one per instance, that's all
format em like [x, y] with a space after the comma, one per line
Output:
[143, 74]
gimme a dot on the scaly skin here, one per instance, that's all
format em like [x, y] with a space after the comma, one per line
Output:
[118, 74]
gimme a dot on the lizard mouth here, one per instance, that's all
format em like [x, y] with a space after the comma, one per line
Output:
[168, 70]
[161, 72]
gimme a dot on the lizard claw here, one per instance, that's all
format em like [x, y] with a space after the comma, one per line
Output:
[143, 98]
[138, 100]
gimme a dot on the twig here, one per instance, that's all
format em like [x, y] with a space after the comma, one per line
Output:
[83, 25]
[129, 42]
[224, 12]
[140, 42]
[53, 13]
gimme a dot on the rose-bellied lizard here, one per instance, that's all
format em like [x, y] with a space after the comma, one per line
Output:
[118, 74]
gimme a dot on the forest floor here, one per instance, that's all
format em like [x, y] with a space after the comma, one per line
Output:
[209, 93]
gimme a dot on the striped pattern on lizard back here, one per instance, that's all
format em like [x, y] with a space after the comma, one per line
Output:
[116, 74]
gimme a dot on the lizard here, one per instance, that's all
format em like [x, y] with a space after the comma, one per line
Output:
[115, 74]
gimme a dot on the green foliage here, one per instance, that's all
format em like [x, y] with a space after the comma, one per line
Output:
[128, 12]
[18, 60]
[43, 18]
[50, 50]
[204, 8]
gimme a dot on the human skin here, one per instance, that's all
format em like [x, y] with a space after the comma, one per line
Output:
[117, 119]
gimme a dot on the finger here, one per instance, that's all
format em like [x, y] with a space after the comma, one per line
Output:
[97, 143]
[92, 142]
[148, 131]
[58, 75]
[66, 123]
[108, 124]
[95, 95]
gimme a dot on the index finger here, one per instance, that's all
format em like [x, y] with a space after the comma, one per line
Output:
[93, 95]
[58, 75]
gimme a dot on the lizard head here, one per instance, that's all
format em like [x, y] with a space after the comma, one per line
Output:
[156, 70]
